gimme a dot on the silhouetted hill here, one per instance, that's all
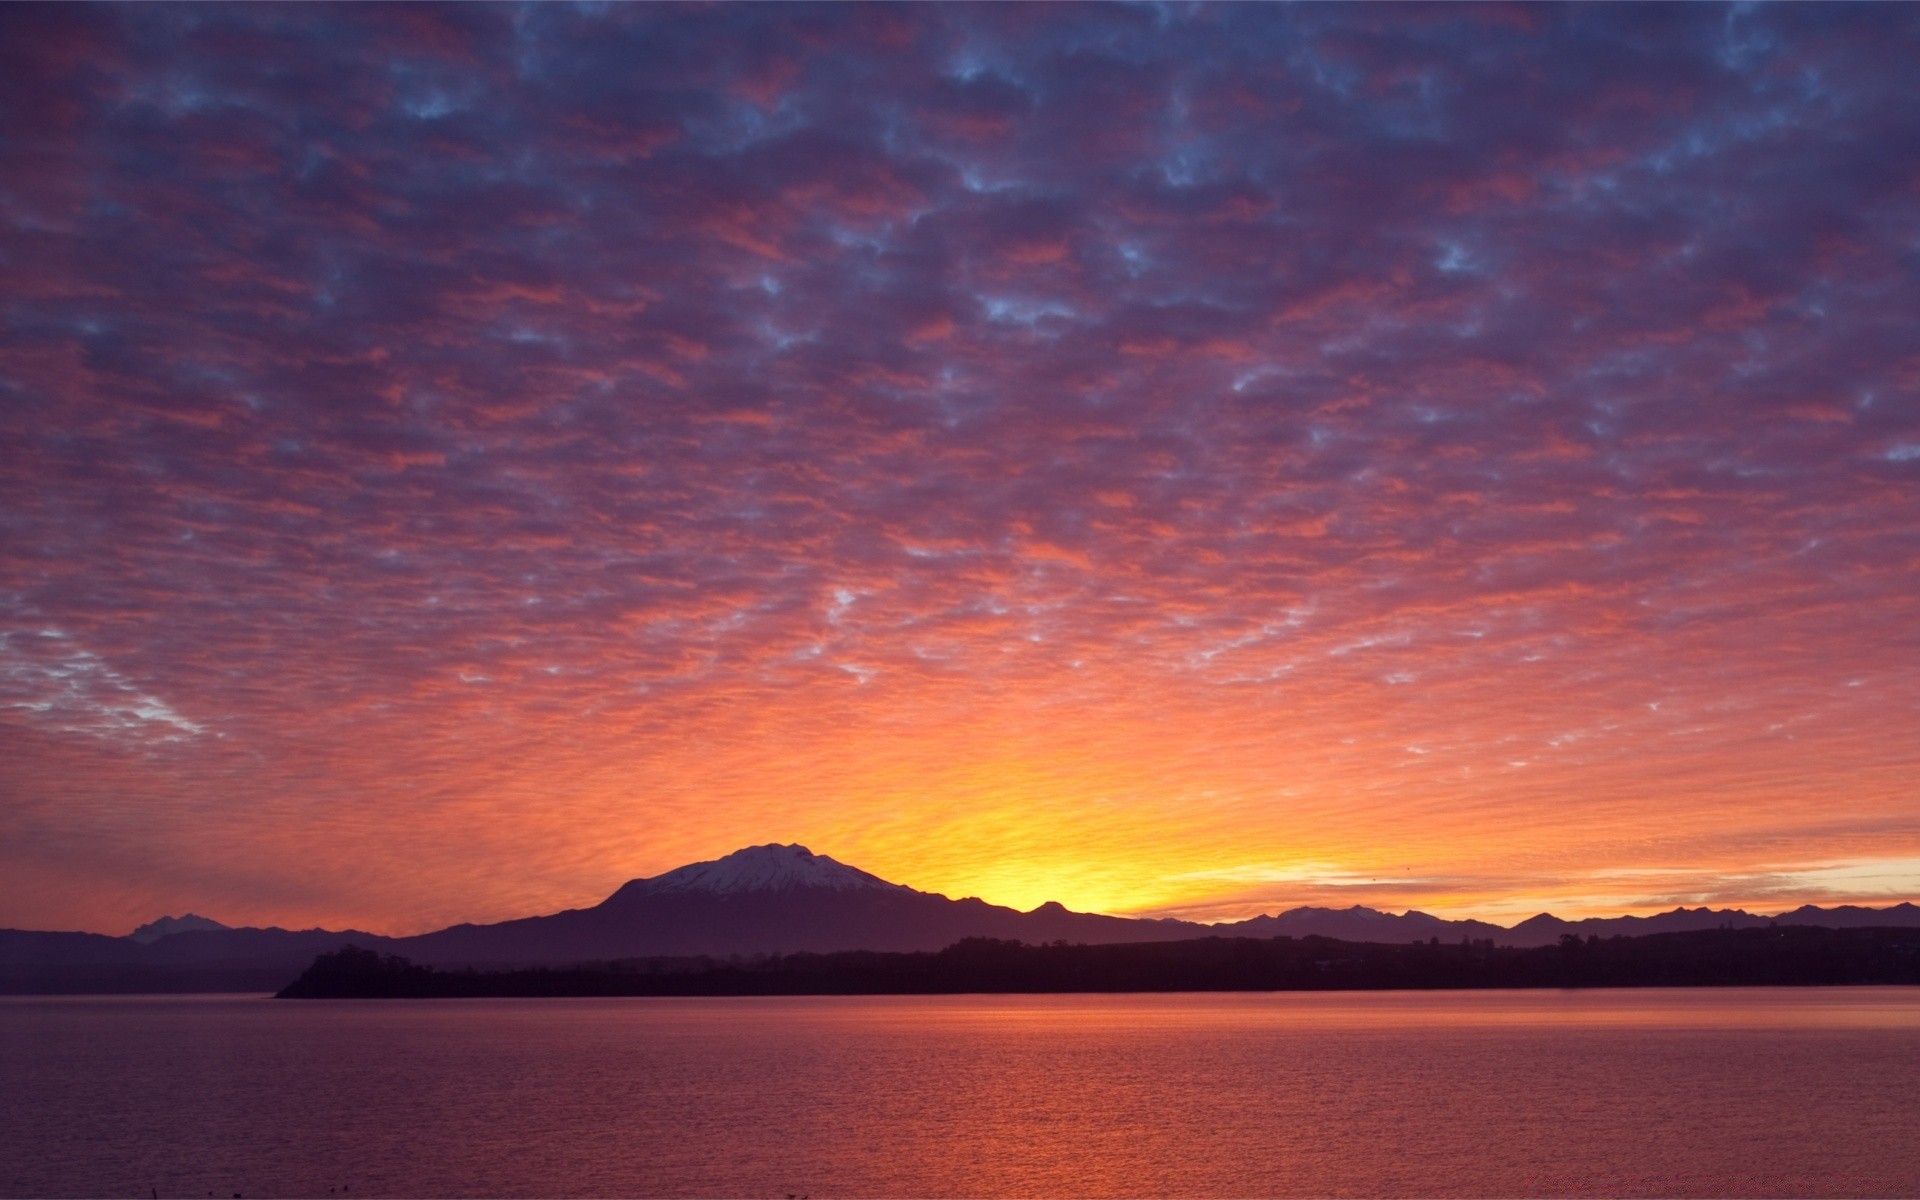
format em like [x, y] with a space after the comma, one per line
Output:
[1780, 956]
[200, 960]
[1359, 924]
[1850, 916]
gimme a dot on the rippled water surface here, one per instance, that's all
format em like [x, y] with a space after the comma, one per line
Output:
[1750, 1092]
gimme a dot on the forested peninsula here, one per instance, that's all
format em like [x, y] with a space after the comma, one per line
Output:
[1779, 956]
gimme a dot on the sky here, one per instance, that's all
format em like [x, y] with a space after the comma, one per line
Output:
[1166, 459]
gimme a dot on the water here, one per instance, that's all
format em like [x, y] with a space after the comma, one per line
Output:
[1751, 1092]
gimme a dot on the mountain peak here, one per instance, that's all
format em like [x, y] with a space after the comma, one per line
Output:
[153, 931]
[769, 868]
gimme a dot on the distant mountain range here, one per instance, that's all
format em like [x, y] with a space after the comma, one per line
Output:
[761, 900]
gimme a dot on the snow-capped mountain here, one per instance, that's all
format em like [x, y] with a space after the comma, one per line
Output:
[153, 931]
[770, 899]
[769, 868]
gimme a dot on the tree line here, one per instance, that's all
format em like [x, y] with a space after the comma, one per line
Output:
[1795, 955]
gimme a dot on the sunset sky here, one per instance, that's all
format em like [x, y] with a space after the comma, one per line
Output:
[1192, 461]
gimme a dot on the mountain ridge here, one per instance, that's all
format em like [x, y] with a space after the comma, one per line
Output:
[778, 899]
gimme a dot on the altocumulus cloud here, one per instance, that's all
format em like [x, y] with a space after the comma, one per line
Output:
[1020, 448]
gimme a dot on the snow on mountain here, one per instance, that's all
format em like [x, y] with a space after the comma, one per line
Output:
[153, 931]
[769, 868]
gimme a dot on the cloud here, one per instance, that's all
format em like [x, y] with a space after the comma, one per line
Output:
[477, 417]
[51, 680]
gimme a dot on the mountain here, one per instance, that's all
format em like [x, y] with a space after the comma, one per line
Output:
[194, 960]
[768, 900]
[1545, 928]
[153, 931]
[1850, 916]
[1359, 924]
[770, 868]
[777, 899]
[762, 900]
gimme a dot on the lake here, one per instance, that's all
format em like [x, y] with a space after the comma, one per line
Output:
[1735, 1092]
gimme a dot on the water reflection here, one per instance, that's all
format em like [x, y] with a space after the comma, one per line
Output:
[1749, 1092]
[1670, 1008]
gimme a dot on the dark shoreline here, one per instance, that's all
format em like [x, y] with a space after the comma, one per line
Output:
[1793, 956]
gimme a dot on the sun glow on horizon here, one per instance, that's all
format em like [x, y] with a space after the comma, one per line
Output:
[1131, 471]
